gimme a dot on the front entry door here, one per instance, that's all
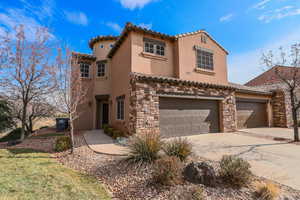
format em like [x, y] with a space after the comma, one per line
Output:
[105, 113]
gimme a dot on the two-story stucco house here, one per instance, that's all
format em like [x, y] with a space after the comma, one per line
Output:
[146, 81]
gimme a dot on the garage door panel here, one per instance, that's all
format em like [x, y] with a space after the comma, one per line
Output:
[179, 117]
[251, 114]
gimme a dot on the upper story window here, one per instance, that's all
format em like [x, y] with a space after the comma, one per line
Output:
[154, 47]
[84, 70]
[101, 69]
[101, 46]
[205, 59]
[111, 45]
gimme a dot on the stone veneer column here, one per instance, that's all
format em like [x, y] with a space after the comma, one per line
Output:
[228, 115]
[282, 112]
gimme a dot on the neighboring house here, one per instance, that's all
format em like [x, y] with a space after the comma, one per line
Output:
[146, 81]
[269, 81]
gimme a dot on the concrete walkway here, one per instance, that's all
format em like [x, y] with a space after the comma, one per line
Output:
[278, 161]
[101, 143]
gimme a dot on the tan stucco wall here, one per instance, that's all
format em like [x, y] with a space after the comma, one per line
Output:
[86, 109]
[101, 53]
[151, 64]
[186, 60]
[120, 70]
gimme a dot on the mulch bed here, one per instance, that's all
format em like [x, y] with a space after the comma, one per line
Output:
[127, 182]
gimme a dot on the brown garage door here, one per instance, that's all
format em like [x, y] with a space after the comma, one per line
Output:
[181, 117]
[251, 114]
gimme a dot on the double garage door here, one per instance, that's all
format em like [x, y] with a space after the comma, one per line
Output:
[251, 114]
[182, 117]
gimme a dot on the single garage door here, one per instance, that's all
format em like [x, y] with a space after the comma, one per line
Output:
[182, 117]
[251, 114]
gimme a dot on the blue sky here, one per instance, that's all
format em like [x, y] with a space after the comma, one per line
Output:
[246, 28]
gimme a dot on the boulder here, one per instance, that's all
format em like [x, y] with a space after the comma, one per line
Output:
[200, 173]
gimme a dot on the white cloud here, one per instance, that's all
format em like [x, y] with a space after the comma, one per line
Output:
[261, 5]
[116, 27]
[226, 18]
[245, 66]
[146, 26]
[133, 4]
[279, 13]
[46, 8]
[76, 17]
[13, 17]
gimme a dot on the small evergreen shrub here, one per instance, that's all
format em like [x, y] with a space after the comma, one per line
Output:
[266, 191]
[110, 131]
[116, 134]
[105, 128]
[12, 136]
[62, 143]
[178, 147]
[144, 148]
[167, 171]
[235, 171]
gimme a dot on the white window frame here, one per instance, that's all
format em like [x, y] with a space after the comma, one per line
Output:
[101, 72]
[120, 108]
[84, 73]
[205, 61]
[154, 47]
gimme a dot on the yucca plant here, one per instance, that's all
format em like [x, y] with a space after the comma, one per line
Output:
[266, 191]
[144, 148]
[178, 147]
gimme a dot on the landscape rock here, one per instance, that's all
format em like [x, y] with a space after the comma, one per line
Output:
[200, 173]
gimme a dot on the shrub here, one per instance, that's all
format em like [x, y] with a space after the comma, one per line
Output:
[62, 143]
[167, 171]
[110, 131]
[266, 191]
[12, 136]
[105, 128]
[235, 171]
[116, 134]
[178, 147]
[144, 148]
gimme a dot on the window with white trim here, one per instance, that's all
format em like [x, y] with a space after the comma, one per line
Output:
[154, 47]
[101, 69]
[120, 107]
[84, 70]
[205, 59]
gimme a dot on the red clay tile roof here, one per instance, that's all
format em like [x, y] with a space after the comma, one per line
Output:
[131, 27]
[250, 90]
[155, 78]
[84, 56]
[101, 38]
[269, 77]
[202, 31]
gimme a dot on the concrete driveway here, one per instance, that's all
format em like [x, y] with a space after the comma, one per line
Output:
[286, 133]
[278, 161]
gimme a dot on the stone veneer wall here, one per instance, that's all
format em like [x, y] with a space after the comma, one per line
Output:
[281, 106]
[144, 104]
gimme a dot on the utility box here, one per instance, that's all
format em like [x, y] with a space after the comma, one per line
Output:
[62, 124]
